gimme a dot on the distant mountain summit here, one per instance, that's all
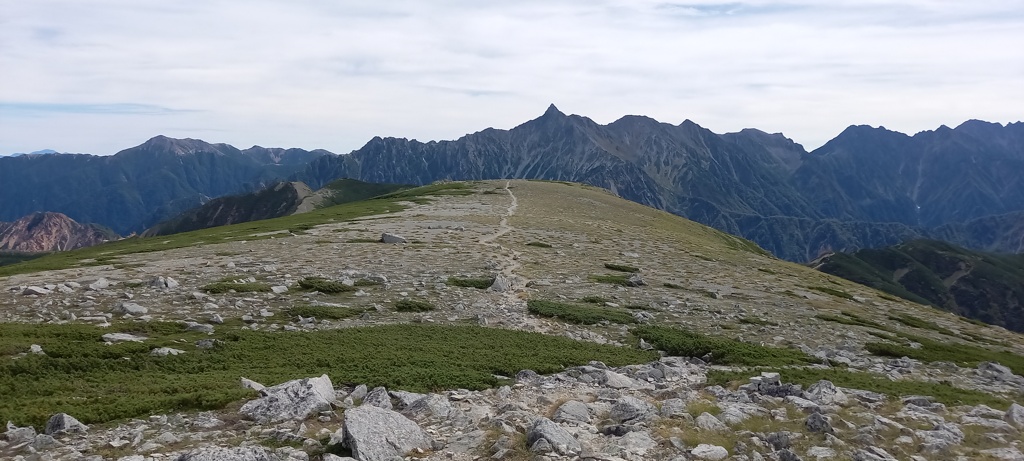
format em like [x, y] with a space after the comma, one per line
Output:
[38, 152]
[143, 185]
[44, 232]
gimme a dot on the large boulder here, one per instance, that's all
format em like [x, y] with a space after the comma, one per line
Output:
[432, 408]
[164, 283]
[629, 409]
[63, 423]
[1015, 416]
[388, 237]
[297, 399]
[825, 393]
[560, 440]
[250, 453]
[572, 411]
[18, 435]
[377, 434]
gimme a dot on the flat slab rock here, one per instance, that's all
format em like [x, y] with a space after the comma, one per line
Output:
[378, 434]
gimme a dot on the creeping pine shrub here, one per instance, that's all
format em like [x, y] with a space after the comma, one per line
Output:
[482, 283]
[685, 343]
[539, 244]
[324, 286]
[584, 315]
[239, 287]
[413, 305]
[621, 267]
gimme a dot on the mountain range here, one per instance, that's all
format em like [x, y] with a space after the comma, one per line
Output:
[868, 187]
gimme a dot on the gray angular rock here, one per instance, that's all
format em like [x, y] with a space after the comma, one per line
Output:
[615, 380]
[872, 454]
[388, 237]
[433, 407]
[127, 308]
[635, 280]
[572, 411]
[100, 284]
[561, 441]
[63, 423]
[297, 399]
[1015, 416]
[819, 423]
[377, 434]
[708, 422]
[35, 291]
[501, 284]
[406, 398]
[378, 397]
[629, 409]
[710, 452]
[19, 435]
[249, 453]
[164, 283]
[825, 393]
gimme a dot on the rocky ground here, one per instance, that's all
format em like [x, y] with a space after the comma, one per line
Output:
[539, 241]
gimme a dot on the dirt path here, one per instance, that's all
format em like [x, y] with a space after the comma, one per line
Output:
[508, 259]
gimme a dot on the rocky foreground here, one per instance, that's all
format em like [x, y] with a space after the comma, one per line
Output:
[661, 410]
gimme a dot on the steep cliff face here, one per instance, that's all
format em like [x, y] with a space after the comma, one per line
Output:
[43, 232]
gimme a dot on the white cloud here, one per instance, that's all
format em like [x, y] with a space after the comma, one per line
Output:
[332, 74]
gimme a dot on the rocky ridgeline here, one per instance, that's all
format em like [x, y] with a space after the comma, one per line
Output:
[660, 410]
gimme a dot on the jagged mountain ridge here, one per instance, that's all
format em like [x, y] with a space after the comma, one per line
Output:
[983, 286]
[868, 187]
[140, 186]
[853, 192]
[44, 232]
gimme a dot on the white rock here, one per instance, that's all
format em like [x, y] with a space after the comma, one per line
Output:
[122, 337]
[165, 351]
[377, 434]
[297, 399]
[710, 452]
[35, 291]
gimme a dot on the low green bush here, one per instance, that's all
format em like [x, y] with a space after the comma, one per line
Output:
[583, 315]
[946, 351]
[833, 292]
[539, 245]
[849, 318]
[482, 283]
[239, 287]
[324, 286]
[621, 267]
[594, 299]
[757, 321]
[323, 312]
[413, 305]
[726, 351]
[915, 322]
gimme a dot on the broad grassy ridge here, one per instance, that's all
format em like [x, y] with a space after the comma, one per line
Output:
[82, 376]
[108, 253]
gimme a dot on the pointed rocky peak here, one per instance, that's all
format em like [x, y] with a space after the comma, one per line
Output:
[553, 112]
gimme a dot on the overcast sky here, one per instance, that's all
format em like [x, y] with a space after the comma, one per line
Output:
[99, 76]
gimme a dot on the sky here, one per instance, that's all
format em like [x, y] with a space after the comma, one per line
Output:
[104, 75]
